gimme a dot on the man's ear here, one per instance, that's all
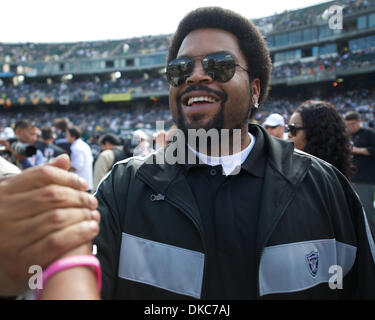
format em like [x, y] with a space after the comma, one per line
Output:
[255, 90]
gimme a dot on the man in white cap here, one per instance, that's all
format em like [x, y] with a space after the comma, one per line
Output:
[275, 125]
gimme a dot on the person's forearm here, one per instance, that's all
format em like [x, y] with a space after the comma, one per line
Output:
[44, 213]
[77, 283]
[361, 151]
[364, 152]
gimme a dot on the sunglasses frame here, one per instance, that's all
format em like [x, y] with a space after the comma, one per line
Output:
[293, 129]
[211, 73]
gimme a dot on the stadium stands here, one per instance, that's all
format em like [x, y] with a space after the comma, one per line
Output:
[122, 83]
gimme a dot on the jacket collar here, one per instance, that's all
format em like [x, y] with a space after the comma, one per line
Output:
[288, 164]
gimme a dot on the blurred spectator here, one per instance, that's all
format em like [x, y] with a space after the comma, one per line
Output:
[46, 145]
[61, 127]
[81, 157]
[363, 140]
[275, 125]
[316, 127]
[7, 133]
[23, 150]
[112, 152]
[143, 142]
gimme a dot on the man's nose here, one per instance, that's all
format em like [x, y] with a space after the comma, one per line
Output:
[198, 75]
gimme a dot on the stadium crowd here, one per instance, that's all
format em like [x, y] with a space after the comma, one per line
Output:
[308, 16]
[82, 91]
[348, 60]
[116, 120]
[11, 52]
[79, 91]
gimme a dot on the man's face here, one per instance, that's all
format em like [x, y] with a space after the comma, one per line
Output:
[106, 146]
[277, 131]
[353, 125]
[229, 101]
[27, 135]
[299, 138]
[69, 137]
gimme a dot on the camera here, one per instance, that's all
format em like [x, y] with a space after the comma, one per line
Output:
[23, 149]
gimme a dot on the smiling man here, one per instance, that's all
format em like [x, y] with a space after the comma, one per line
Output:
[195, 230]
[285, 226]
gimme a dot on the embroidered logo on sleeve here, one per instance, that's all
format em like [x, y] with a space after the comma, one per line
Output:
[313, 262]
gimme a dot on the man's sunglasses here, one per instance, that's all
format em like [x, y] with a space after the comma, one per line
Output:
[293, 129]
[220, 66]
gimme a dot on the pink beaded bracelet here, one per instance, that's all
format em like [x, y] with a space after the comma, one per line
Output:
[70, 262]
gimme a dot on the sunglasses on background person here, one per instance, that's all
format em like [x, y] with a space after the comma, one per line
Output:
[220, 66]
[293, 129]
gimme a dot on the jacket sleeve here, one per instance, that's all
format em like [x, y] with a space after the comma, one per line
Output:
[366, 255]
[365, 259]
[108, 241]
[370, 145]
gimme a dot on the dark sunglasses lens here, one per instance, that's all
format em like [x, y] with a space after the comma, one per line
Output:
[292, 130]
[178, 70]
[219, 66]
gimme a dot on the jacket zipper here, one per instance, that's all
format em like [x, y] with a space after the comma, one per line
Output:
[197, 226]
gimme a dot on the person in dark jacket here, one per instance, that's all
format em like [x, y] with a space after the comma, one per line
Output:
[46, 145]
[363, 148]
[214, 222]
[61, 126]
[265, 221]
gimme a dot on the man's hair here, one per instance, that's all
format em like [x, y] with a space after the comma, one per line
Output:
[111, 138]
[250, 40]
[47, 133]
[61, 123]
[352, 115]
[75, 132]
[22, 124]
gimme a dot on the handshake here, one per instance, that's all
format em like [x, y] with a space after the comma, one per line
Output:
[45, 214]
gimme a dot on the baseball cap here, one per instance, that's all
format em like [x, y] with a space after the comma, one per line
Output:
[274, 120]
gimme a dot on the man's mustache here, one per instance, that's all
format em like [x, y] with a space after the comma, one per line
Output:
[220, 94]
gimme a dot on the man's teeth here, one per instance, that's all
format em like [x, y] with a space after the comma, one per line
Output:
[198, 99]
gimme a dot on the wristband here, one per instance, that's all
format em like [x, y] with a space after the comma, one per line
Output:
[70, 262]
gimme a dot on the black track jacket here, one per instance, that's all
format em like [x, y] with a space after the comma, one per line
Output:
[313, 239]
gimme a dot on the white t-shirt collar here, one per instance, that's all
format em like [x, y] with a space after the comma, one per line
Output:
[230, 162]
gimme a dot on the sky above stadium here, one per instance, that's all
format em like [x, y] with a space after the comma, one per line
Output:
[90, 20]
